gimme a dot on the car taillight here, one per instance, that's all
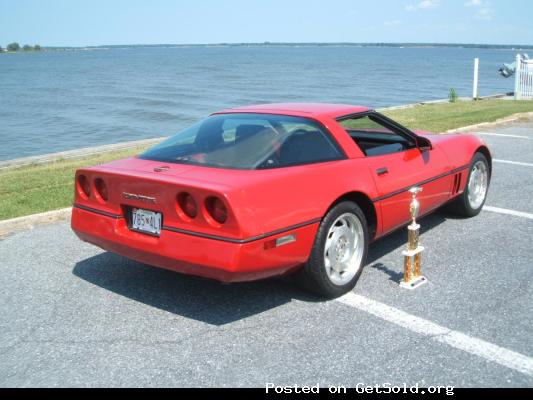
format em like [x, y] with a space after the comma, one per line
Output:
[101, 189]
[84, 187]
[188, 205]
[216, 209]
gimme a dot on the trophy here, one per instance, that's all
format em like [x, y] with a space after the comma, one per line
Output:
[413, 278]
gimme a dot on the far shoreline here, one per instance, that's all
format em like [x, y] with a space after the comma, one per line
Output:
[515, 47]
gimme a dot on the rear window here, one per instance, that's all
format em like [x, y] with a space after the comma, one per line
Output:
[248, 141]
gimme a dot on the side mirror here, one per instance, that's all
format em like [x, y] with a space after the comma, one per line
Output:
[423, 144]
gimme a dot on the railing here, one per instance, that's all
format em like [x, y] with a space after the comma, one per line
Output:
[523, 79]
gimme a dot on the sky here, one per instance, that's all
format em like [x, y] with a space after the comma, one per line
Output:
[108, 22]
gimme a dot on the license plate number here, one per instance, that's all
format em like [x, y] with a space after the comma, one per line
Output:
[146, 221]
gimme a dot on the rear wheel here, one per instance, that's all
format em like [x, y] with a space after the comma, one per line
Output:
[471, 201]
[339, 252]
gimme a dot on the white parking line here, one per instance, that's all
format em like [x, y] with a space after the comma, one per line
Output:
[456, 339]
[503, 135]
[524, 164]
[508, 212]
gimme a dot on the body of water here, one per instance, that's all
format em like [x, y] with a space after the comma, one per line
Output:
[54, 101]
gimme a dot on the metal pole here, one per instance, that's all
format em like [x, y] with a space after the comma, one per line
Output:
[476, 78]
[517, 77]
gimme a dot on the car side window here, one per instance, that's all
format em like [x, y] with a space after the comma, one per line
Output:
[307, 144]
[373, 137]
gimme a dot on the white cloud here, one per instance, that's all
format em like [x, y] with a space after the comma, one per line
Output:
[422, 5]
[474, 3]
[485, 14]
[428, 3]
[484, 11]
[394, 22]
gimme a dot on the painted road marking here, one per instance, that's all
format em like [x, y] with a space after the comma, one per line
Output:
[508, 212]
[456, 339]
[524, 164]
[503, 135]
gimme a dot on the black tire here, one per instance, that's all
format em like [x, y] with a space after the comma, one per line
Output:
[461, 205]
[313, 276]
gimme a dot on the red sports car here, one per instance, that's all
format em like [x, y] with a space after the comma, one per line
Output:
[265, 190]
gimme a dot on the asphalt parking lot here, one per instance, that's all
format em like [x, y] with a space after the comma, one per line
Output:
[73, 315]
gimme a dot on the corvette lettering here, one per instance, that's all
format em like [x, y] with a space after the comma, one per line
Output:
[138, 197]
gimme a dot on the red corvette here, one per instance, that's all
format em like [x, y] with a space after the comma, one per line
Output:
[260, 191]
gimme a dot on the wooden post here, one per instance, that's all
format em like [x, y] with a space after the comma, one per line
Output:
[476, 78]
[517, 77]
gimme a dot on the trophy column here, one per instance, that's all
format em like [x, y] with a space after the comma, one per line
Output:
[413, 277]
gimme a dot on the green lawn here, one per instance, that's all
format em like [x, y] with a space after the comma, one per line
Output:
[446, 116]
[34, 189]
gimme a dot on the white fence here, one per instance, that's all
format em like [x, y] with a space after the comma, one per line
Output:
[523, 79]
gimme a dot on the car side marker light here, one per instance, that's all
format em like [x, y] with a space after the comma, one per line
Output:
[282, 241]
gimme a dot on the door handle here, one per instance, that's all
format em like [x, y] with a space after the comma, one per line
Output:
[382, 171]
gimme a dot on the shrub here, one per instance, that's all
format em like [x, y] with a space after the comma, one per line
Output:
[27, 47]
[37, 47]
[452, 96]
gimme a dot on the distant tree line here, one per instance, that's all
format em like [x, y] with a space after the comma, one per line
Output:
[13, 47]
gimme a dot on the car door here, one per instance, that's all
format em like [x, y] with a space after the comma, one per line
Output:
[397, 164]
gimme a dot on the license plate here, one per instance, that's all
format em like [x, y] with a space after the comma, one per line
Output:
[146, 221]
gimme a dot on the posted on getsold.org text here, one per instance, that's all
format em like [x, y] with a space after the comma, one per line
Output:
[360, 388]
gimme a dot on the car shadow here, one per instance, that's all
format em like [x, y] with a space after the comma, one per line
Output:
[210, 301]
[192, 297]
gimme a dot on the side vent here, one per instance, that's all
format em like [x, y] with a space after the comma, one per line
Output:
[456, 184]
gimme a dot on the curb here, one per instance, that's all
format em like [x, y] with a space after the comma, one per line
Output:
[10, 226]
[76, 154]
[422, 103]
[441, 101]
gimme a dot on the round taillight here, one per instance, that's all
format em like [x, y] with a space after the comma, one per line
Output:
[188, 205]
[101, 189]
[84, 187]
[216, 209]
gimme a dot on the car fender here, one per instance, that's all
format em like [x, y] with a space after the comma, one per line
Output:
[459, 148]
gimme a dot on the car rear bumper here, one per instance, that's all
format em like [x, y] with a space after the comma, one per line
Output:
[224, 261]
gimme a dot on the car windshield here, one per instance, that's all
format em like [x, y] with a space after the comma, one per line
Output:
[248, 141]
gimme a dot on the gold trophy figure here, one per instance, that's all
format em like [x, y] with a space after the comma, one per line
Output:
[412, 256]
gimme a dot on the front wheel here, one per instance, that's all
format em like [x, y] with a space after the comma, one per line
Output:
[471, 201]
[339, 252]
